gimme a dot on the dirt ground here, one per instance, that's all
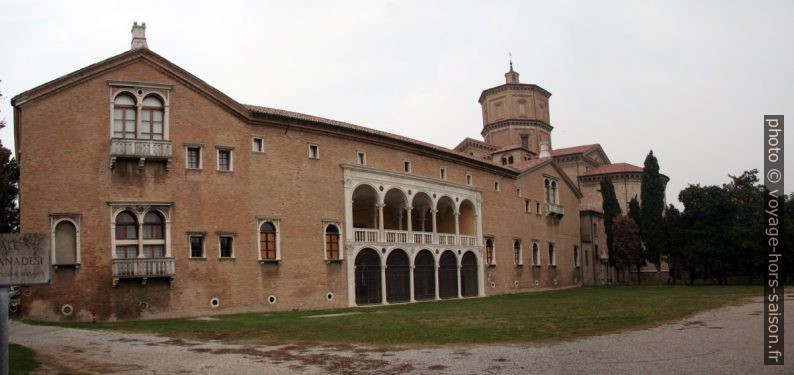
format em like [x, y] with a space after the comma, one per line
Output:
[722, 341]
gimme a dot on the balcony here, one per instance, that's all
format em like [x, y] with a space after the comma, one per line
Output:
[401, 236]
[555, 209]
[143, 268]
[140, 149]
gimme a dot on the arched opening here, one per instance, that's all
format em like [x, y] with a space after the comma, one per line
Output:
[489, 251]
[398, 281]
[445, 219]
[65, 243]
[152, 118]
[267, 241]
[394, 217]
[468, 275]
[126, 235]
[554, 195]
[365, 210]
[367, 277]
[421, 217]
[467, 220]
[448, 275]
[124, 113]
[153, 235]
[424, 276]
[547, 190]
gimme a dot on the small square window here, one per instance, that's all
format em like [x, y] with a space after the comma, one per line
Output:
[361, 158]
[314, 151]
[226, 244]
[407, 166]
[224, 160]
[496, 185]
[443, 173]
[193, 157]
[257, 144]
[518, 192]
[527, 205]
[468, 180]
[196, 245]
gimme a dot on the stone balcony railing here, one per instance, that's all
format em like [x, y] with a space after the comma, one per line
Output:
[143, 268]
[402, 236]
[555, 209]
[140, 149]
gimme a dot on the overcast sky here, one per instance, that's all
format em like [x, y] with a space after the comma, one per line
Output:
[689, 79]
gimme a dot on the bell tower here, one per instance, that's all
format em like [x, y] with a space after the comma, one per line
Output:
[516, 114]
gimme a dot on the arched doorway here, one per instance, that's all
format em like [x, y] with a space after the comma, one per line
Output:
[468, 275]
[424, 276]
[368, 277]
[398, 282]
[448, 275]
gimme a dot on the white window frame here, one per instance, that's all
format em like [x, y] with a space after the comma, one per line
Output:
[56, 219]
[139, 210]
[277, 224]
[139, 91]
[538, 208]
[496, 186]
[528, 205]
[493, 250]
[314, 151]
[520, 252]
[518, 192]
[361, 157]
[443, 173]
[218, 150]
[338, 226]
[469, 179]
[203, 245]
[536, 260]
[407, 166]
[261, 149]
[200, 148]
[553, 260]
[229, 235]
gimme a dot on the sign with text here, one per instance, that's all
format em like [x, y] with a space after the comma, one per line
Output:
[24, 259]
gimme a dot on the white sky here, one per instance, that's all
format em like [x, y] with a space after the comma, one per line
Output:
[689, 79]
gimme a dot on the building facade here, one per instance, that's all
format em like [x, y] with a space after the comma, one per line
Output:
[168, 198]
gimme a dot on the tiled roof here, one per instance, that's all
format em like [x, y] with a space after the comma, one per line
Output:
[573, 150]
[613, 168]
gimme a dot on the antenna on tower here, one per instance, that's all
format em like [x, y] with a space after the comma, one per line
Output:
[510, 55]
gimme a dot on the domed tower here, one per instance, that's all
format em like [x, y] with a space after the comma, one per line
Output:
[517, 114]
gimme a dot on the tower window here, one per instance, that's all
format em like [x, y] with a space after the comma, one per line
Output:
[525, 141]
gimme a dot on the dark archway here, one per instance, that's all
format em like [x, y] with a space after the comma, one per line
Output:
[468, 275]
[424, 276]
[398, 277]
[368, 277]
[448, 275]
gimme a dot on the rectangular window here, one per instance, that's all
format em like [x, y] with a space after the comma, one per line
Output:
[193, 157]
[518, 192]
[257, 144]
[468, 180]
[443, 173]
[524, 141]
[552, 255]
[407, 166]
[496, 185]
[576, 256]
[314, 151]
[196, 245]
[517, 253]
[361, 158]
[535, 254]
[537, 208]
[226, 246]
[595, 230]
[527, 205]
[224, 160]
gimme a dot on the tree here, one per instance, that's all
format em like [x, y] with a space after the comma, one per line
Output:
[675, 243]
[9, 179]
[634, 211]
[747, 235]
[611, 207]
[652, 197]
[708, 215]
[628, 244]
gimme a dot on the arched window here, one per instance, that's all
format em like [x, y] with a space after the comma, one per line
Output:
[267, 241]
[553, 192]
[510, 159]
[517, 253]
[152, 118]
[126, 235]
[489, 253]
[535, 254]
[552, 255]
[153, 235]
[124, 116]
[331, 242]
[65, 243]
[546, 190]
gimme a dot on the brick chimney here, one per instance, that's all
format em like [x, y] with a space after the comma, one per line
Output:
[138, 36]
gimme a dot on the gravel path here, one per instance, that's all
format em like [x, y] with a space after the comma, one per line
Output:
[722, 341]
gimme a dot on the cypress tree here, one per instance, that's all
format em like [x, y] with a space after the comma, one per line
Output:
[611, 208]
[652, 197]
[634, 211]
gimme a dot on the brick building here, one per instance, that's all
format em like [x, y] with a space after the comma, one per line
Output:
[169, 198]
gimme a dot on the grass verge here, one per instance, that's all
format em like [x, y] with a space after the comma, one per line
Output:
[21, 360]
[515, 318]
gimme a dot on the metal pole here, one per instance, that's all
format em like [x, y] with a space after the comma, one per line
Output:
[3, 330]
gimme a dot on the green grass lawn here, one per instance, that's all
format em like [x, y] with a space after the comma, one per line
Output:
[21, 360]
[516, 318]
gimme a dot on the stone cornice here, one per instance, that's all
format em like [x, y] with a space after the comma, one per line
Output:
[514, 86]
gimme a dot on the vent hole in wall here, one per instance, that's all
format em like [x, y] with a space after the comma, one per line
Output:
[271, 299]
[67, 309]
[493, 284]
[215, 302]
[329, 297]
[144, 306]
